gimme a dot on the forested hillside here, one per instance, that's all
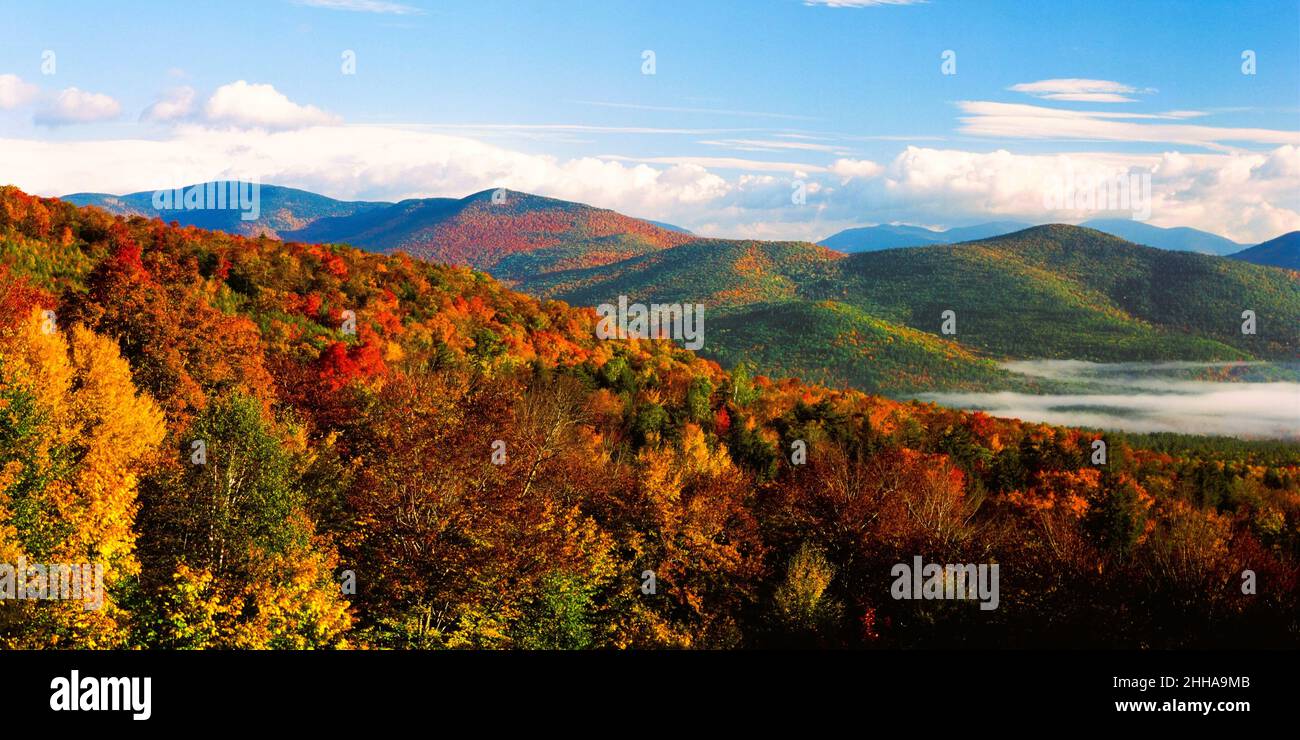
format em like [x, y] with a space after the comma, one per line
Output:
[407, 454]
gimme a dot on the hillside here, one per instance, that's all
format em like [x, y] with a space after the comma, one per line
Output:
[1070, 292]
[515, 234]
[282, 210]
[756, 299]
[497, 477]
[1050, 292]
[1284, 252]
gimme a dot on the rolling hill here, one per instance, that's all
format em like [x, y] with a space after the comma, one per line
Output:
[869, 319]
[873, 319]
[514, 234]
[1283, 251]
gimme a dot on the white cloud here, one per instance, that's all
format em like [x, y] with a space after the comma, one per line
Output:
[373, 162]
[722, 163]
[14, 92]
[246, 105]
[363, 6]
[864, 168]
[72, 106]
[1019, 121]
[768, 145]
[173, 105]
[1245, 196]
[1079, 90]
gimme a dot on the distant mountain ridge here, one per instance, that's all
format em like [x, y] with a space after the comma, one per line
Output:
[1179, 238]
[1284, 252]
[891, 236]
[281, 210]
[512, 233]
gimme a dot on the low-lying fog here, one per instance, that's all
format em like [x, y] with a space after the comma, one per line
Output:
[1152, 397]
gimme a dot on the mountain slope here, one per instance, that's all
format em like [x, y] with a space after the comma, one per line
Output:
[1284, 251]
[281, 209]
[1054, 292]
[1180, 239]
[1069, 292]
[515, 234]
[756, 299]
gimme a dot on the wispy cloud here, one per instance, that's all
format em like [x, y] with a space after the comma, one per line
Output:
[1079, 90]
[1018, 121]
[769, 145]
[725, 163]
[363, 6]
[709, 111]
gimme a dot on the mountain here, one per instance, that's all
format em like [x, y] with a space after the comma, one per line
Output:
[514, 234]
[873, 319]
[1284, 251]
[885, 236]
[281, 209]
[1070, 292]
[1181, 239]
[511, 232]
[888, 236]
[755, 296]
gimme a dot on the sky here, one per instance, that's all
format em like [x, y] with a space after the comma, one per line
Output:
[782, 119]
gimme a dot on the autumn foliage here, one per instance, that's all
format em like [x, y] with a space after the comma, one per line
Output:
[471, 467]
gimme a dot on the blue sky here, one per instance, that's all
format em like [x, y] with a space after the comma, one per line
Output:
[748, 99]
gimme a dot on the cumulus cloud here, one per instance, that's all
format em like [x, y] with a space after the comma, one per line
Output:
[373, 162]
[1246, 196]
[173, 105]
[864, 168]
[245, 105]
[14, 92]
[72, 105]
[1242, 195]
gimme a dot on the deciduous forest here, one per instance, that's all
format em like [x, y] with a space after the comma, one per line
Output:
[400, 454]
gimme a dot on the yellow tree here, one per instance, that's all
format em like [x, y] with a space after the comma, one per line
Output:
[73, 435]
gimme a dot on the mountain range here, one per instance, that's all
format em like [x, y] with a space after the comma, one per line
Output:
[889, 236]
[871, 319]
